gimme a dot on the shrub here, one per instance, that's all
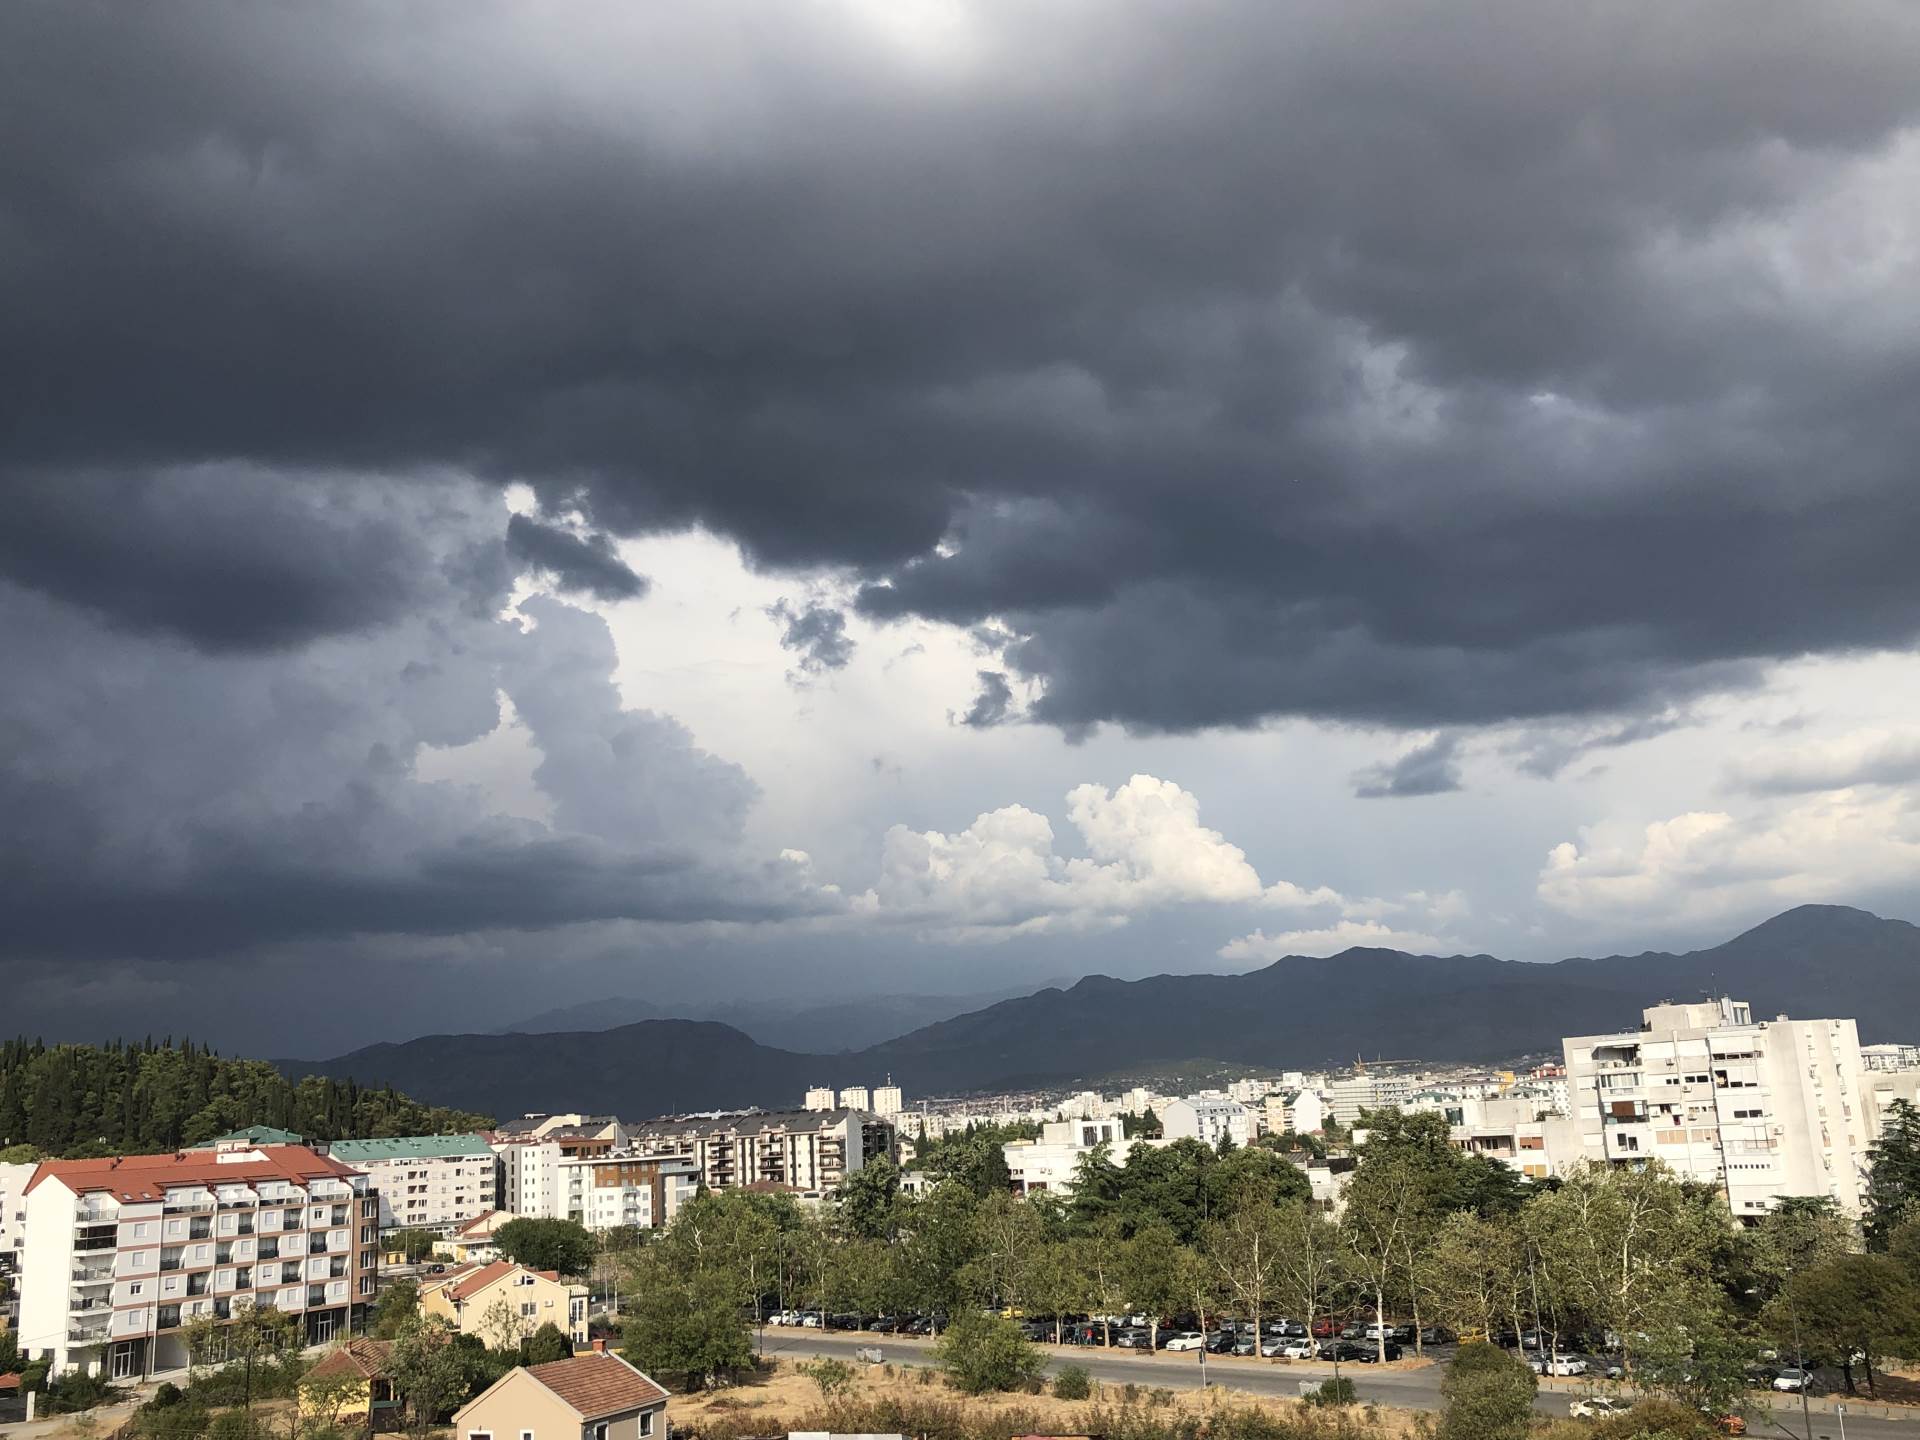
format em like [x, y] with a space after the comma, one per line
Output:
[834, 1377]
[1160, 1397]
[1489, 1395]
[231, 1425]
[1655, 1420]
[71, 1394]
[165, 1396]
[987, 1352]
[1072, 1383]
[1331, 1392]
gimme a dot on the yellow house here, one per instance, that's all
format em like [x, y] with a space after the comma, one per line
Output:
[364, 1359]
[474, 1240]
[595, 1396]
[500, 1302]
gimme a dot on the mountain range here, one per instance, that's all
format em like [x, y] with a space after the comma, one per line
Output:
[845, 1023]
[1299, 1012]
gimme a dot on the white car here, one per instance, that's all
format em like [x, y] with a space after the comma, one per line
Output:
[1187, 1340]
[1791, 1379]
[1291, 1349]
[1558, 1365]
[810, 1320]
[1598, 1407]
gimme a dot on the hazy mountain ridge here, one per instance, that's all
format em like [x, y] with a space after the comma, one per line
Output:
[1299, 1011]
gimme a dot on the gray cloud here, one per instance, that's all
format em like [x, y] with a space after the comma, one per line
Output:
[585, 563]
[817, 634]
[993, 705]
[1234, 405]
[1880, 758]
[1428, 769]
[1545, 753]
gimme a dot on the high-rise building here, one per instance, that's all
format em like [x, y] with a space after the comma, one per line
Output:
[1206, 1117]
[820, 1097]
[886, 1100]
[810, 1151]
[854, 1097]
[1759, 1109]
[425, 1182]
[122, 1253]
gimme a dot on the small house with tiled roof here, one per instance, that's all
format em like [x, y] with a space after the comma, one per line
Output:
[500, 1302]
[366, 1366]
[595, 1396]
[474, 1240]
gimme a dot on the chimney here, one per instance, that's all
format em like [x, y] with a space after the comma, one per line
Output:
[600, 1346]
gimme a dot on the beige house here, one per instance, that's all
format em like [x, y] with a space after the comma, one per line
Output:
[595, 1396]
[367, 1382]
[500, 1302]
[474, 1240]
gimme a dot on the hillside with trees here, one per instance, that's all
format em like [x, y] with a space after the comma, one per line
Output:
[74, 1101]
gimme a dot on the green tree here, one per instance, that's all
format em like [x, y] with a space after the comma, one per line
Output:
[1312, 1274]
[560, 1245]
[1470, 1272]
[1009, 1236]
[1152, 1276]
[1893, 1175]
[1799, 1233]
[1488, 1395]
[398, 1304]
[1701, 1363]
[1384, 1201]
[982, 1353]
[867, 1200]
[685, 1325]
[416, 1245]
[547, 1344]
[938, 1246]
[429, 1371]
[1245, 1248]
[1852, 1305]
[253, 1334]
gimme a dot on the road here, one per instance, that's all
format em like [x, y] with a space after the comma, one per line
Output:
[1417, 1389]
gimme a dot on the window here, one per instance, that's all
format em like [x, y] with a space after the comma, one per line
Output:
[140, 1230]
[135, 1288]
[526, 1435]
[599, 1432]
[646, 1422]
[479, 1435]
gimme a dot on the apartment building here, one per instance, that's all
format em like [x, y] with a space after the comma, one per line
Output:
[1052, 1162]
[820, 1097]
[425, 1182]
[1206, 1117]
[123, 1252]
[1297, 1110]
[13, 1216]
[574, 1133]
[608, 1192]
[887, 1101]
[1761, 1109]
[854, 1097]
[501, 1302]
[1348, 1095]
[810, 1151]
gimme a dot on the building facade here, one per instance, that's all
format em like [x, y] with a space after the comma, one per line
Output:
[1759, 1109]
[611, 1192]
[596, 1396]
[809, 1151]
[1348, 1095]
[1206, 1117]
[13, 1217]
[501, 1302]
[425, 1182]
[1051, 1162]
[122, 1253]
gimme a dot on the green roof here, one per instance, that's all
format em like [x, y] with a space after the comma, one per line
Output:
[410, 1147]
[254, 1135]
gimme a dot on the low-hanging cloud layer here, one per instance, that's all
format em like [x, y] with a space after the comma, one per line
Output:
[1518, 387]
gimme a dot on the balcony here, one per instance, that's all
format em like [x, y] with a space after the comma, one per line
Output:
[78, 1307]
[269, 1250]
[92, 1275]
[188, 1207]
[170, 1263]
[246, 1225]
[87, 1334]
[316, 1295]
[317, 1245]
[200, 1229]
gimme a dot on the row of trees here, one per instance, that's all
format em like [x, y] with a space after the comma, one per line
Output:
[1636, 1260]
[84, 1100]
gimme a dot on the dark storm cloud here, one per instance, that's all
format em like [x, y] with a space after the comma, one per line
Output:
[1429, 769]
[586, 563]
[1362, 360]
[817, 634]
[993, 704]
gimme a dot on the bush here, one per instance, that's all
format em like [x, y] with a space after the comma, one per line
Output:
[1331, 1392]
[834, 1377]
[71, 1394]
[1655, 1420]
[1489, 1395]
[231, 1425]
[1072, 1383]
[165, 1396]
[987, 1352]
[1160, 1397]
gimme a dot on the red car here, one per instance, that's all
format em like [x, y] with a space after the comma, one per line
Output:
[1325, 1329]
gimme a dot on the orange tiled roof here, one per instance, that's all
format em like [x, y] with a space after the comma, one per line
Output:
[149, 1177]
[472, 1282]
[598, 1384]
[358, 1356]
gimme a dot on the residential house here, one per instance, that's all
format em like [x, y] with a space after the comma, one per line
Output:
[595, 1396]
[473, 1241]
[500, 1302]
[367, 1362]
[1206, 1117]
[1052, 1162]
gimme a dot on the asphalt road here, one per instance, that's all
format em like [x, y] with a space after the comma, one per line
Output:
[1407, 1389]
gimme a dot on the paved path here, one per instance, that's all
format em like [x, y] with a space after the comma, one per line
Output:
[1414, 1389]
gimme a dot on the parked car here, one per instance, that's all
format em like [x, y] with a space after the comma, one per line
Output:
[1433, 1335]
[1324, 1329]
[1371, 1354]
[1598, 1407]
[1134, 1340]
[1557, 1365]
[1793, 1379]
[883, 1325]
[1221, 1342]
[1295, 1348]
[1187, 1340]
[1248, 1344]
[918, 1325]
[1342, 1350]
[811, 1320]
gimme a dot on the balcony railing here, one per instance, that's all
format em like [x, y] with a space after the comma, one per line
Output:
[176, 1263]
[88, 1275]
[187, 1207]
[86, 1334]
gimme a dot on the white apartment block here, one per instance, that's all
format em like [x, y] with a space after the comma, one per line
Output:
[530, 1178]
[810, 1151]
[820, 1097]
[1348, 1095]
[1760, 1109]
[887, 1101]
[1300, 1111]
[607, 1192]
[13, 1215]
[425, 1182]
[1206, 1117]
[1890, 1057]
[1050, 1162]
[854, 1097]
[123, 1252]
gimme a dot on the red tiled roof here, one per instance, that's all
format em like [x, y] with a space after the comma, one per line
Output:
[149, 1177]
[598, 1384]
[485, 1223]
[358, 1356]
[472, 1282]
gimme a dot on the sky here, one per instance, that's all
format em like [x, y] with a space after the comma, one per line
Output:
[507, 506]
